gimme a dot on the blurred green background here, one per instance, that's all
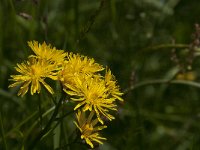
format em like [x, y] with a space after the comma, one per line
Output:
[136, 39]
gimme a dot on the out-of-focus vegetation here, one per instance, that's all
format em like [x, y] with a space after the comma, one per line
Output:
[151, 46]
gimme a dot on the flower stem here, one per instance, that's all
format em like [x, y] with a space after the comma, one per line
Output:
[162, 81]
[2, 133]
[47, 127]
[40, 110]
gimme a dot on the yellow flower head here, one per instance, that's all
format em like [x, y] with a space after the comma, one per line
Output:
[83, 64]
[46, 52]
[190, 76]
[111, 85]
[88, 128]
[33, 72]
[92, 94]
[77, 65]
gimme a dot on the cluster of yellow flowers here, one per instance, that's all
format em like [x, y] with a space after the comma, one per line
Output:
[95, 95]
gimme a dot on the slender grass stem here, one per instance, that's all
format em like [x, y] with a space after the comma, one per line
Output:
[37, 121]
[46, 129]
[139, 121]
[2, 133]
[91, 21]
[75, 141]
[12, 5]
[11, 97]
[164, 46]
[76, 14]
[113, 10]
[22, 123]
[162, 81]
[59, 121]
[40, 109]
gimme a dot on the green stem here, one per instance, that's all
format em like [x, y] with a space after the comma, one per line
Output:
[76, 19]
[139, 122]
[2, 133]
[11, 5]
[66, 114]
[40, 110]
[59, 120]
[67, 145]
[113, 11]
[46, 129]
[162, 46]
[91, 21]
[22, 123]
[11, 97]
[37, 121]
[162, 81]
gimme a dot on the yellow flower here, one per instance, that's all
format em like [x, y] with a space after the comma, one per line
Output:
[88, 128]
[83, 64]
[190, 76]
[33, 72]
[81, 80]
[46, 52]
[92, 94]
[77, 65]
[111, 86]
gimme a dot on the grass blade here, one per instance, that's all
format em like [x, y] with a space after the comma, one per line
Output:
[2, 133]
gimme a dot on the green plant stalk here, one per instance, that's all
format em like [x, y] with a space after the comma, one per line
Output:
[40, 110]
[2, 133]
[76, 18]
[64, 133]
[164, 46]
[11, 97]
[11, 5]
[162, 81]
[113, 10]
[22, 123]
[56, 136]
[29, 118]
[75, 141]
[46, 129]
[38, 120]
[91, 21]
[59, 121]
[139, 120]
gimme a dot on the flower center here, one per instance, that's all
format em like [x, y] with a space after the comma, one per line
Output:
[36, 71]
[92, 97]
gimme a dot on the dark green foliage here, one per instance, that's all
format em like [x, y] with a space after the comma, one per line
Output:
[135, 39]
